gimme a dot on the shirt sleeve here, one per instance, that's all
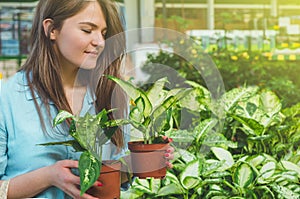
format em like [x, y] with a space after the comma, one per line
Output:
[3, 142]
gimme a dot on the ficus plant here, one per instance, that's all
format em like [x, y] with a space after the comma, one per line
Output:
[89, 133]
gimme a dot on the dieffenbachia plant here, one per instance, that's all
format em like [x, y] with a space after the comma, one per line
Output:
[151, 110]
[90, 132]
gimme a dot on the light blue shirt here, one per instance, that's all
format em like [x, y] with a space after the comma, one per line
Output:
[21, 132]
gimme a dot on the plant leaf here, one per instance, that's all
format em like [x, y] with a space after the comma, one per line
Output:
[72, 143]
[189, 178]
[89, 171]
[157, 93]
[251, 123]
[256, 160]
[170, 189]
[266, 172]
[133, 92]
[285, 192]
[243, 175]
[171, 100]
[291, 166]
[232, 97]
[223, 155]
[62, 116]
[205, 127]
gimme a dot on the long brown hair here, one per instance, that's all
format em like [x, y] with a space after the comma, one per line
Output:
[43, 69]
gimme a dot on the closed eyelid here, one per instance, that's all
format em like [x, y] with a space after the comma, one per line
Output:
[93, 26]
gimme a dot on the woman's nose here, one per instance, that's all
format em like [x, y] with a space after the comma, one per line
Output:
[98, 40]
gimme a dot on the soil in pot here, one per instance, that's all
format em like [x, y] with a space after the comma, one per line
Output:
[148, 160]
[110, 177]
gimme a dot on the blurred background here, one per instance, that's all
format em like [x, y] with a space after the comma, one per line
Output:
[269, 26]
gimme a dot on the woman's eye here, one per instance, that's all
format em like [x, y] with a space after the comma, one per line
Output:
[86, 31]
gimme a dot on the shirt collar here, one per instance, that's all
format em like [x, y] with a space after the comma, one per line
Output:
[89, 96]
[26, 89]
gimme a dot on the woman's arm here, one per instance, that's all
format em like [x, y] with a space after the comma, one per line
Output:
[58, 174]
[29, 184]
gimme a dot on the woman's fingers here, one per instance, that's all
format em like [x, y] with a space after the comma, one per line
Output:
[169, 153]
[66, 180]
[98, 184]
[167, 138]
[169, 164]
[169, 156]
[74, 192]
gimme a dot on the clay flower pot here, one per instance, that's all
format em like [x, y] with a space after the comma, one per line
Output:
[148, 160]
[110, 177]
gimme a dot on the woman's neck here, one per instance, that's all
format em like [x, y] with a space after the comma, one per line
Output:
[74, 93]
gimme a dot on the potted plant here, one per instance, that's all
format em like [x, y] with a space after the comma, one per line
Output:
[90, 132]
[151, 114]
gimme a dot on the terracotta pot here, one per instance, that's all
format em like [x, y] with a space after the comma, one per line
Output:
[110, 176]
[148, 160]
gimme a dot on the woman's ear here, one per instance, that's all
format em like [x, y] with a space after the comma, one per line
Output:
[49, 30]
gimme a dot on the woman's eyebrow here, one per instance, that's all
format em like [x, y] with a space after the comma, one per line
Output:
[88, 23]
[91, 24]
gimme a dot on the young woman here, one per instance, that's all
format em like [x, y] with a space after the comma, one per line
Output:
[69, 39]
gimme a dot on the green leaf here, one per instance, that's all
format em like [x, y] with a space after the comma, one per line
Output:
[218, 140]
[170, 101]
[143, 185]
[170, 189]
[143, 182]
[291, 166]
[244, 176]
[284, 176]
[251, 123]
[170, 176]
[72, 143]
[89, 171]
[285, 192]
[133, 92]
[186, 156]
[131, 194]
[163, 107]
[164, 122]
[136, 115]
[108, 132]
[204, 128]
[251, 108]
[155, 185]
[102, 117]
[87, 129]
[223, 155]
[193, 101]
[266, 172]
[256, 160]
[62, 116]
[156, 94]
[232, 97]
[211, 166]
[270, 103]
[189, 178]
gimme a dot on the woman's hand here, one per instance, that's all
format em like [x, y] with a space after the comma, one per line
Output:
[63, 178]
[169, 152]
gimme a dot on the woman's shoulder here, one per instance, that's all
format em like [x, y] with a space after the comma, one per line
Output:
[17, 82]
[17, 77]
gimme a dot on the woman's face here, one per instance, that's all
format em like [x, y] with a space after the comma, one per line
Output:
[81, 38]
